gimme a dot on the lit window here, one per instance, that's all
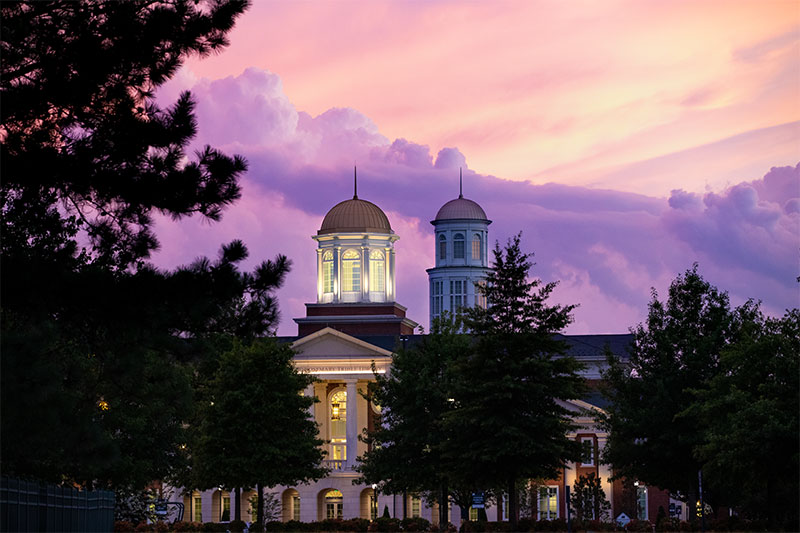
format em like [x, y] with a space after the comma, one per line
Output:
[548, 503]
[473, 514]
[198, 509]
[416, 504]
[442, 247]
[338, 425]
[480, 296]
[377, 271]
[458, 246]
[333, 505]
[296, 508]
[641, 501]
[226, 508]
[587, 452]
[373, 507]
[327, 272]
[476, 246]
[351, 271]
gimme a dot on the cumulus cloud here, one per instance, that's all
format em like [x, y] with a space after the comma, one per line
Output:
[608, 247]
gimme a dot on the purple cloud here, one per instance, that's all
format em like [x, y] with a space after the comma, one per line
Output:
[607, 247]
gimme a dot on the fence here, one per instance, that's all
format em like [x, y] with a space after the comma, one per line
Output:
[32, 506]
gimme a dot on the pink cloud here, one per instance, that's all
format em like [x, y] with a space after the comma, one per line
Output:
[607, 246]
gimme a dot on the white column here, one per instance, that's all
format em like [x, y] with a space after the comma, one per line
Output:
[352, 421]
[337, 268]
[390, 262]
[365, 281]
[320, 275]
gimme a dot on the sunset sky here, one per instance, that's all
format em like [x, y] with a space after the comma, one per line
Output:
[626, 140]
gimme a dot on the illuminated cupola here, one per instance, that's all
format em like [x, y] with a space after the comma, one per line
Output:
[355, 272]
[462, 258]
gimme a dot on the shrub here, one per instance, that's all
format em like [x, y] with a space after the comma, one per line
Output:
[415, 524]
[144, 527]
[524, 524]
[291, 525]
[355, 524]
[161, 527]
[669, 524]
[559, 524]
[236, 526]
[385, 525]
[123, 526]
[639, 525]
[275, 525]
[214, 527]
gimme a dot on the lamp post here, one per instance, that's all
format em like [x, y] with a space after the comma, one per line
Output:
[374, 501]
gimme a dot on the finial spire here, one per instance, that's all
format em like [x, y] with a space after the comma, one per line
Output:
[460, 187]
[355, 183]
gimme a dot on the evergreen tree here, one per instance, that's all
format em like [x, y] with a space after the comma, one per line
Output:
[508, 423]
[99, 348]
[84, 145]
[588, 500]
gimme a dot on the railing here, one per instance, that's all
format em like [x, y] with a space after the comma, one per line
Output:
[33, 506]
[335, 465]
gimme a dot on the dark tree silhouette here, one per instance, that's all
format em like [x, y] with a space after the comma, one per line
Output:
[101, 351]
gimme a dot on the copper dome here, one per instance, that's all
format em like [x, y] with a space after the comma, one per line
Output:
[355, 216]
[461, 208]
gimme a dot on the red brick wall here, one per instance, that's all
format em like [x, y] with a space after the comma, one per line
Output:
[656, 498]
[359, 328]
[345, 310]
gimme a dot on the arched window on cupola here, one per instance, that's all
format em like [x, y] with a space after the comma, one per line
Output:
[327, 272]
[458, 246]
[377, 276]
[442, 247]
[476, 246]
[351, 274]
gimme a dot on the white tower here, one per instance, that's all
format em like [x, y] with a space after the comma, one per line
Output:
[462, 258]
[356, 288]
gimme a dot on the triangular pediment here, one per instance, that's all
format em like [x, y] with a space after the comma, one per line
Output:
[329, 343]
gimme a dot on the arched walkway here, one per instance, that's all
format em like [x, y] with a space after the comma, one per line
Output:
[330, 504]
[290, 505]
[368, 507]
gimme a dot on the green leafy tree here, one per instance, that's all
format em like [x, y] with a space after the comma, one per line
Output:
[405, 448]
[675, 351]
[255, 428]
[749, 415]
[508, 424]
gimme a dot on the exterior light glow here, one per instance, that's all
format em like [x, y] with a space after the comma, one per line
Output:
[103, 405]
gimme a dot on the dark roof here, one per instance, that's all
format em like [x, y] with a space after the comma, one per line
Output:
[580, 346]
[595, 345]
[596, 398]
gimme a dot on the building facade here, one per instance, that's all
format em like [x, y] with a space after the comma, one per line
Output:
[355, 325]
